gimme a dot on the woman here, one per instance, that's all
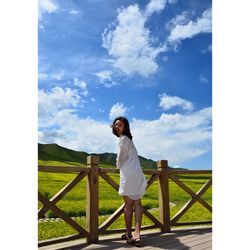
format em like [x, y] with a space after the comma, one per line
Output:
[132, 180]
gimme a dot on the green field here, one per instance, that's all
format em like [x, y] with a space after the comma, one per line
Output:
[74, 203]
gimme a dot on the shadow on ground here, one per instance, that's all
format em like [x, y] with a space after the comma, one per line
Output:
[149, 241]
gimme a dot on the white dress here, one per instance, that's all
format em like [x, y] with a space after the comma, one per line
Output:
[132, 180]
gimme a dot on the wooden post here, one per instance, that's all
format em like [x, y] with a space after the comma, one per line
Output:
[92, 198]
[164, 196]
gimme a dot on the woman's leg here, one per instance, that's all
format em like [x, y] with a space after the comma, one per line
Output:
[138, 217]
[128, 214]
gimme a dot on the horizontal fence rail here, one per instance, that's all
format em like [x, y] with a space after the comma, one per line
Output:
[92, 173]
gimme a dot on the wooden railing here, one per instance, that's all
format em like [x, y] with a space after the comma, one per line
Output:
[92, 172]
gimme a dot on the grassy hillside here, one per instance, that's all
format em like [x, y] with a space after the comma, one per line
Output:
[54, 152]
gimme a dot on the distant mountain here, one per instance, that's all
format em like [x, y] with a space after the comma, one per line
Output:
[54, 152]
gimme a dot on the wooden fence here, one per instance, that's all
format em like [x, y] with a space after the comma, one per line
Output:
[92, 172]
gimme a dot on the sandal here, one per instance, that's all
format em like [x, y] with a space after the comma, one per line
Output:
[126, 237]
[136, 241]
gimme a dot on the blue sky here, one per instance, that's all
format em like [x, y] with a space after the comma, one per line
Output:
[148, 60]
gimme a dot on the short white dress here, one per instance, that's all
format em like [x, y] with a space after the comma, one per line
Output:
[132, 180]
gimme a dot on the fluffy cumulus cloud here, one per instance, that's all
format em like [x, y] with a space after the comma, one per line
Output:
[174, 137]
[168, 102]
[133, 56]
[181, 19]
[155, 6]
[106, 78]
[177, 138]
[117, 109]
[81, 134]
[51, 104]
[183, 30]
[48, 6]
[82, 85]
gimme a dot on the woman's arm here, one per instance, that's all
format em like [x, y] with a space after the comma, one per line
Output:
[121, 156]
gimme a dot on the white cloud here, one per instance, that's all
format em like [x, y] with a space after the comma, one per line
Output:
[57, 76]
[51, 76]
[180, 19]
[43, 76]
[49, 103]
[105, 77]
[155, 6]
[49, 136]
[186, 122]
[60, 97]
[46, 6]
[74, 12]
[117, 109]
[206, 50]
[192, 28]
[174, 137]
[132, 56]
[165, 58]
[203, 79]
[82, 85]
[82, 134]
[167, 102]
[172, 1]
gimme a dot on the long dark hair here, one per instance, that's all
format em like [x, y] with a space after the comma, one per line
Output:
[126, 127]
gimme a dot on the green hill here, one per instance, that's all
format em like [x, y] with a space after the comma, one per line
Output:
[54, 152]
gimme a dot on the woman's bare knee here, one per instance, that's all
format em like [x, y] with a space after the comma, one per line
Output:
[128, 202]
[137, 202]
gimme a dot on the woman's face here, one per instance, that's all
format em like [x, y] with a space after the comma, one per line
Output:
[119, 127]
